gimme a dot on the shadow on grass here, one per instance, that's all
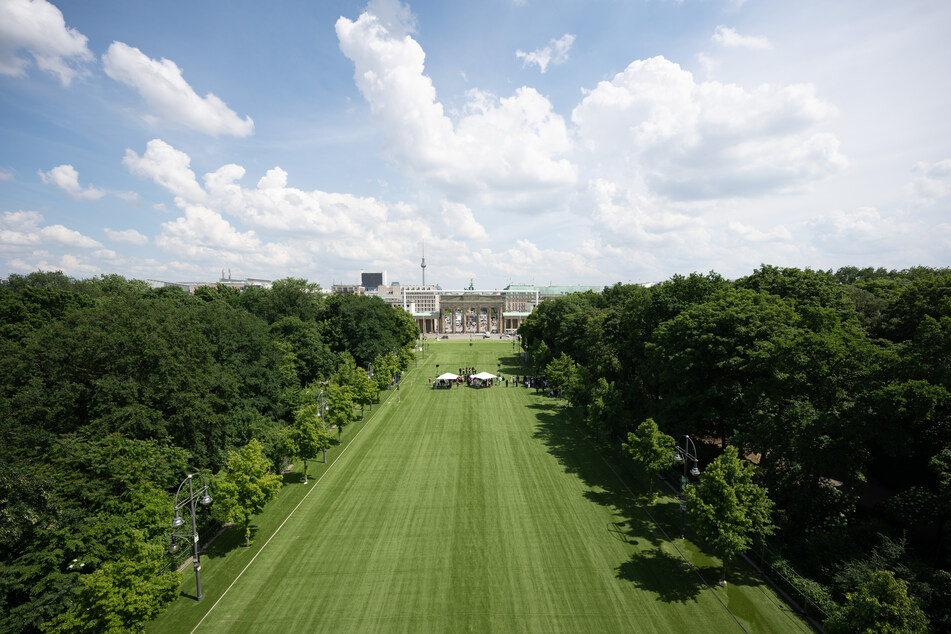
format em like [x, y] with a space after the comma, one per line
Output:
[568, 444]
[231, 539]
[297, 477]
[664, 574]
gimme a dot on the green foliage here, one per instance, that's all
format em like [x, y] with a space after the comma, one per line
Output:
[308, 436]
[711, 364]
[246, 486]
[340, 404]
[108, 390]
[384, 370]
[363, 388]
[121, 595]
[605, 408]
[730, 511]
[652, 449]
[311, 358]
[560, 373]
[367, 327]
[880, 606]
[144, 367]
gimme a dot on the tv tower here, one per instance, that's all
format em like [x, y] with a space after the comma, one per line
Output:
[422, 265]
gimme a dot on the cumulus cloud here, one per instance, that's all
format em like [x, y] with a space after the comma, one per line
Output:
[168, 167]
[461, 223]
[202, 229]
[500, 151]
[864, 229]
[37, 28]
[288, 226]
[23, 229]
[6, 175]
[932, 181]
[67, 178]
[752, 234]
[654, 124]
[170, 97]
[729, 38]
[127, 236]
[555, 53]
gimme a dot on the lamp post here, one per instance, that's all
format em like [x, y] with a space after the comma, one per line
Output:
[189, 502]
[683, 454]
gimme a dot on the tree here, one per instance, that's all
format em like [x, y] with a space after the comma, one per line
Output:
[246, 486]
[121, 595]
[711, 365]
[340, 404]
[367, 327]
[881, 606]
[364, 389]
[729, 509]
[384, 369]
[308, 435]
[605, 408]
[560, 373]
[652, 449]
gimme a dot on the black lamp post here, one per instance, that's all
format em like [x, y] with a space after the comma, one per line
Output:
[189, 502]
[684, 455]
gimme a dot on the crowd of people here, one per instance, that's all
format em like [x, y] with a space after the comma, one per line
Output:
[468, 377]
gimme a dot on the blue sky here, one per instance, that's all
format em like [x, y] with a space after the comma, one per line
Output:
[559, 142]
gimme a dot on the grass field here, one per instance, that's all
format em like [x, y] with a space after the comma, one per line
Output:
[467, 510]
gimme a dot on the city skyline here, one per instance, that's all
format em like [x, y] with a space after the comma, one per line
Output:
[520, 142]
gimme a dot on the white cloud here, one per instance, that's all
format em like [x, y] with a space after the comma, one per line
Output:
[168, 94]
[6, 175]
[932, 183]
[168, 167]
[555, 53]
[22, 229]
[461, 222]
[58, 234]
[129, 197]
[863, 229]
[67, 178]
[653, 124]
[128, 236]
[729, 38]
[38, 28]
[202, 229]
[752, 234]
[21, 220]
[500, 152]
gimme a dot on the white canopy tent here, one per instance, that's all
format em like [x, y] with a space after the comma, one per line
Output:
[483, 376]
[448, 376]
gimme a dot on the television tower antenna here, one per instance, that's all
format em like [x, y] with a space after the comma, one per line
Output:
[422, 265]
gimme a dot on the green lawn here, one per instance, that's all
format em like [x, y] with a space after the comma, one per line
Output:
[467, 510]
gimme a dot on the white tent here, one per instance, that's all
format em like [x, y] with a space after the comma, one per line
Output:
[448, 376]
[483, 376]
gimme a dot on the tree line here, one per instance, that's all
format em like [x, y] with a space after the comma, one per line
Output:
[832, 388]
[111, 392]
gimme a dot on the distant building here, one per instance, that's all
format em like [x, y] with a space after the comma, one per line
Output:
[347, 289]
[190, 287]
[372, 280]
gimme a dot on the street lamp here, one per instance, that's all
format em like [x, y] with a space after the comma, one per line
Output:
[189, 502]
[684, 455]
